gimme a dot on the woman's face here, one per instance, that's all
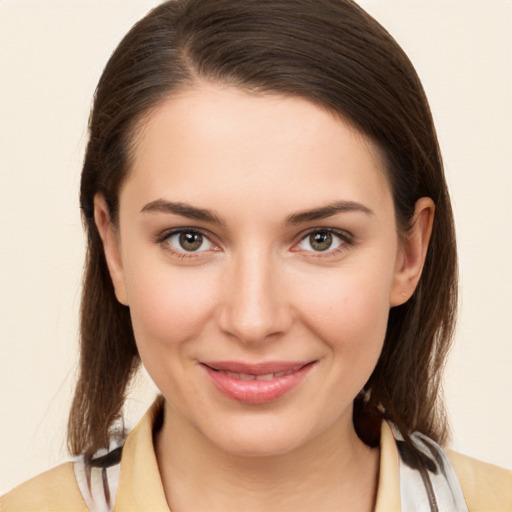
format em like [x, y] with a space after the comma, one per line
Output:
[258, 254]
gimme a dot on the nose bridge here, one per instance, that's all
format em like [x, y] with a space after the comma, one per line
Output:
[253, 308]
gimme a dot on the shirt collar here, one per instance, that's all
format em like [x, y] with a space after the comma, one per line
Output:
[140, 485]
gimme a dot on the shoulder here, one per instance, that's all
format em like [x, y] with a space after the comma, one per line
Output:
[54, 490]
[486, 487]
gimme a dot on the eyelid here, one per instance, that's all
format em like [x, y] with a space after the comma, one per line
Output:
[346, 238]
[166, 234]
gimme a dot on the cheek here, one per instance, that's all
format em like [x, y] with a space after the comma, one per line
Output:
[351, 319]
[168, 305]
[349, 309]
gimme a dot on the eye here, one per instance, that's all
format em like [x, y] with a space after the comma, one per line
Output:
[189, 241]
[322, 241]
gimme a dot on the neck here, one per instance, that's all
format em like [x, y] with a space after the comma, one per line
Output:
[335, 471]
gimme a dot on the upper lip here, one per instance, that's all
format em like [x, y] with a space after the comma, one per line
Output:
[256, 368]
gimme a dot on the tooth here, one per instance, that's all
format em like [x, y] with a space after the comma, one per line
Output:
[267, 376]
[247, 376]
[279, 374]
[233, 375]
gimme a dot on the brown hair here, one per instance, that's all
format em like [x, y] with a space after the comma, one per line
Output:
[329, 52]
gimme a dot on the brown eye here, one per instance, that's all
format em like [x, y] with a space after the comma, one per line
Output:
[321, 241]
[189, 241]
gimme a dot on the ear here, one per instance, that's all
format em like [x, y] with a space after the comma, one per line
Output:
[110, 238]
[412, 251]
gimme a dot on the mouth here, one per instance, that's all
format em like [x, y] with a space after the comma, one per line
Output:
[256, 383]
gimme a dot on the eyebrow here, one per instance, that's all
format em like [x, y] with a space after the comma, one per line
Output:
[327, 211]
[192, 212]
[182, 209]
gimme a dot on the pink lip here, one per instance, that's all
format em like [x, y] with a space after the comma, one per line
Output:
[256, 383]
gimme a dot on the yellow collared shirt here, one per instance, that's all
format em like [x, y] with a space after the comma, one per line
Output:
[486, 488]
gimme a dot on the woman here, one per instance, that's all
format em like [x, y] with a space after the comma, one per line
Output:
[270, 233]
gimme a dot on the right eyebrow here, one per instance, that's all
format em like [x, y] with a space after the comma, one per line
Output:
[184, 210]
[328, 211]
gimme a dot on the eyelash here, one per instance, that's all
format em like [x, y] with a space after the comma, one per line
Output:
[346, 241]
[345, 238]
[164, 237]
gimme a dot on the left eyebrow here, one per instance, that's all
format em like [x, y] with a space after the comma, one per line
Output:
[182, 209]
[327, 211]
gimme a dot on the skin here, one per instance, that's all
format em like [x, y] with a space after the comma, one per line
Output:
[259, 290]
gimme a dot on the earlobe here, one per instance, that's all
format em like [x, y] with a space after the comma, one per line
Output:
[412, 252]
[111, 248]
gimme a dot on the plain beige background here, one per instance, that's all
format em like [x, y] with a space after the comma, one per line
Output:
[51, 55]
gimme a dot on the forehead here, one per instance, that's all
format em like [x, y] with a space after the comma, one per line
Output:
[221, 142]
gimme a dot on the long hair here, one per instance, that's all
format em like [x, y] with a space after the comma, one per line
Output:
[331, 53]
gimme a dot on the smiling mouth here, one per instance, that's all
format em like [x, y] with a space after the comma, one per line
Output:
[256, 384]
[252, 376]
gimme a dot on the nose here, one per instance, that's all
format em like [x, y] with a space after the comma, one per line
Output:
[255, 307]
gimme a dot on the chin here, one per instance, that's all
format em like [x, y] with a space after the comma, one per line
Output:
[258, 446]
[261, 436]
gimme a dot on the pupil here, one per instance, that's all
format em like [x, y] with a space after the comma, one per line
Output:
[321, 241]
[191, 241]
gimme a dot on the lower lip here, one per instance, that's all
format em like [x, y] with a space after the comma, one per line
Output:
[256, 391]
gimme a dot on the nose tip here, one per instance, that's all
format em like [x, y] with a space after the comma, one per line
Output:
[254, 308]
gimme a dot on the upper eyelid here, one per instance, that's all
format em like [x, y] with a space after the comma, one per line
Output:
[348, 241]
[342, 233]
[165, 234]
[182, 253]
